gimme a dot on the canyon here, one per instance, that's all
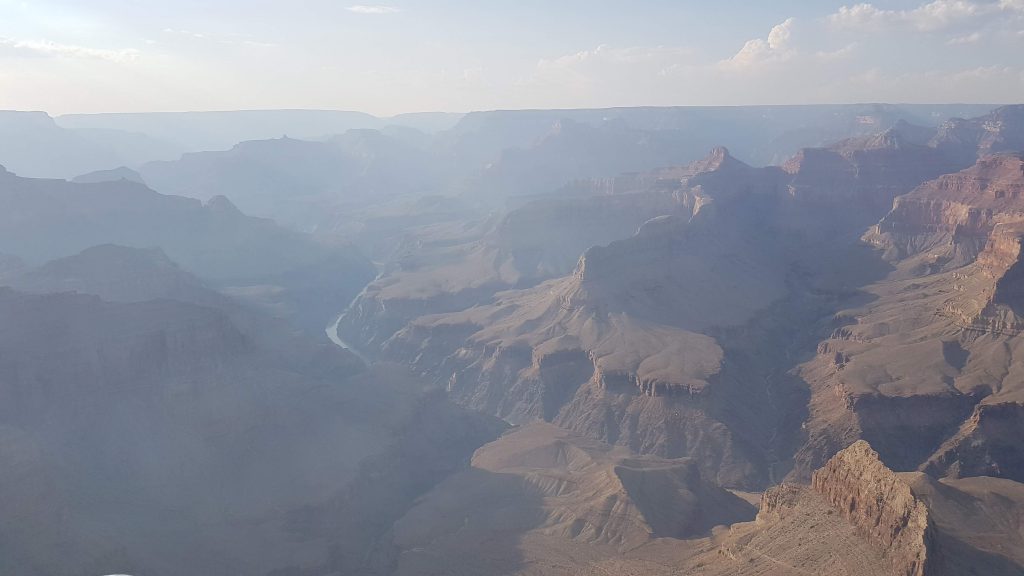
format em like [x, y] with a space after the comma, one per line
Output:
[639, 341]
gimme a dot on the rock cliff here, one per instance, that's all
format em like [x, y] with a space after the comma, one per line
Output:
[921, 356]
[880, 505]
[859, 518]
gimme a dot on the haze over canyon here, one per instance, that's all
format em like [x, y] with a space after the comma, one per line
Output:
[529, 315]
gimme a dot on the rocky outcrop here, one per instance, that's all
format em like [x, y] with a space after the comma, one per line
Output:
[991, 299]
[906, 370]
[776, 500]
[880, 505]
[953, 215]
[859, 518]
[864, 174]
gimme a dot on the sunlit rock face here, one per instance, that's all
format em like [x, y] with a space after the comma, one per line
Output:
[933, 352]
[860, 518]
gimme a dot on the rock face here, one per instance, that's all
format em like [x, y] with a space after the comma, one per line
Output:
[916, 368]
[880, 505]
[866, 173]
[961, 209]
[796, 532]
[860, 518]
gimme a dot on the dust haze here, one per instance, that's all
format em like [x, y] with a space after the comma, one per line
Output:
[766, 340]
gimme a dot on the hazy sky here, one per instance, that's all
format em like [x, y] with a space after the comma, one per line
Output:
[458, 55]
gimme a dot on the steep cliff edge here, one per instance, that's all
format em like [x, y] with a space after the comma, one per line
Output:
[859, 518]
[952, 216]
[939, 339]
[879, 504]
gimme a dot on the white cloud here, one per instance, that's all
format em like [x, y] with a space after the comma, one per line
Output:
[859, 15]
[363, 9]
[54, 49]
[942, 13]
[935, 15]
[827, 67]
[775, 47]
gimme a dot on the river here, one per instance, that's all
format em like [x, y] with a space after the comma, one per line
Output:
[332, 333]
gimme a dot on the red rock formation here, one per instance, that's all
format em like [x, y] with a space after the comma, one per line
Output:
[879, 504]
[958, 209]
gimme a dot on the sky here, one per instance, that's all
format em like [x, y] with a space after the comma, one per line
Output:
[460, 55]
